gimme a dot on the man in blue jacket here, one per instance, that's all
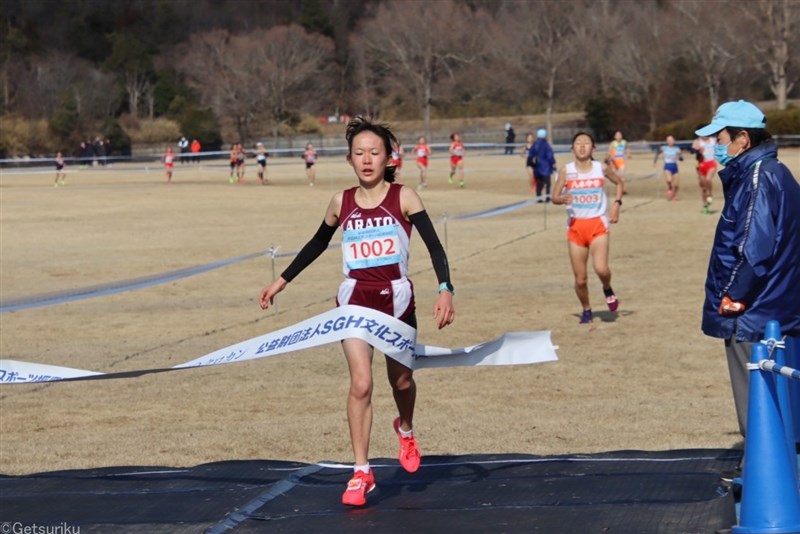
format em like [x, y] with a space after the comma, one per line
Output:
[754, 271]
[541, 158]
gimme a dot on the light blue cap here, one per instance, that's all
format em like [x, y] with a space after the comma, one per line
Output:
[739, 114]
[541, 133]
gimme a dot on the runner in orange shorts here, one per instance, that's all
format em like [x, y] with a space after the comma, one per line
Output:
[580, 186]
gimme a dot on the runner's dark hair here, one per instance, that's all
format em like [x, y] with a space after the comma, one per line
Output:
[361, 124]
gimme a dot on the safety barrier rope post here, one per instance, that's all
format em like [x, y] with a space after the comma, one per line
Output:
[773, 332]
[272, 251]
[544, 211]
[770, 498]
[445, 235]
[792, 356]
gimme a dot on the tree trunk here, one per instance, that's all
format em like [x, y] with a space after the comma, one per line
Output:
[426, 112]
[133, 104]
[550, 92]
[713, 83]
[779, 83]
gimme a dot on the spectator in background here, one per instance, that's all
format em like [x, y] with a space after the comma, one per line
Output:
[83, 155]
[510, 138]
[109, 150]
[528, 161]
[90, 152]
[99, 150]
[183, 145]
[541, 157]
[196, 151]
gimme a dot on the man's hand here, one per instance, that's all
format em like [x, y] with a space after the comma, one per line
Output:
[729, 307]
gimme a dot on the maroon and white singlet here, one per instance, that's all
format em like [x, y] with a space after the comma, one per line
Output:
[375, 248]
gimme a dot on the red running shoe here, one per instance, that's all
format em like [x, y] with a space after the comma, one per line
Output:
[357, 489]
[409, 451]
[613, 302]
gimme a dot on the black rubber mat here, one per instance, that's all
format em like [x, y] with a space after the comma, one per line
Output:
[624, 491]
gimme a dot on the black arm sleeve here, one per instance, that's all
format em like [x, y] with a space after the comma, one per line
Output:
[310, 252]
[422, 222]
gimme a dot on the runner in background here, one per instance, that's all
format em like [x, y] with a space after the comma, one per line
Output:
[580, 186]
[422, 150]
[61, 175]
[169, 163]
[241, 157]
[397, 159]
[456, 159]
[618, 155]
[233, 155]
[376, 218]
[706, 169]
[310, 157]
[672, 154]
[261, 160]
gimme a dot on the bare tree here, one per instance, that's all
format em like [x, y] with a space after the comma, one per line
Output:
[294, 68]
[257, 74]
[213, 64]
[133, 64]
[641, 64]
[418, 43]
[43, 83]
[537, 43]
[775, 38]
[711, 53]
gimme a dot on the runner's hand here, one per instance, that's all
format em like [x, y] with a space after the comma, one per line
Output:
[443, 311]
[268, 293]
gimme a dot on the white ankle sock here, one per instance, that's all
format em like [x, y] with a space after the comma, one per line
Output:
[363, 468]
[406, 433]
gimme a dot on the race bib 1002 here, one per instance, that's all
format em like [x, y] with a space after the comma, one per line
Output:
[371, 247]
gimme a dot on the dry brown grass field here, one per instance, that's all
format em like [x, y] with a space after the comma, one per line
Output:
[644, 378]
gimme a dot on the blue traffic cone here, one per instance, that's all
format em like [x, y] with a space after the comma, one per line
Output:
[770, 497]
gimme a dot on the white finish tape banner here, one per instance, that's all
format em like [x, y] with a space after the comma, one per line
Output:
[387, 334]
